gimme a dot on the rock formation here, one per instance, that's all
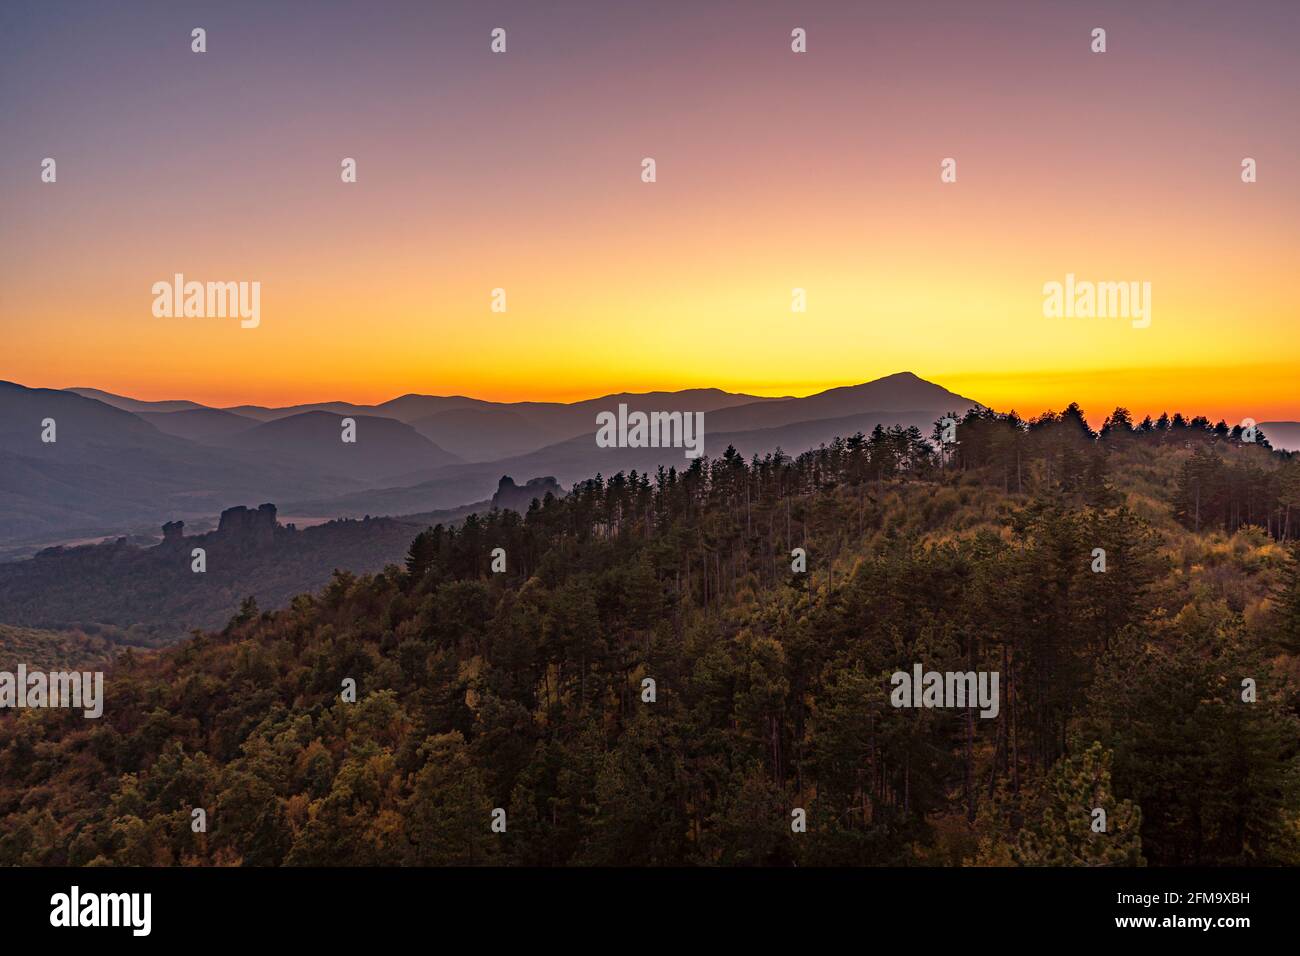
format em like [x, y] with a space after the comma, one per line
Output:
[510, 496]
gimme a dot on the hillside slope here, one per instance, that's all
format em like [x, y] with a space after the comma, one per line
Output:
[650, 681]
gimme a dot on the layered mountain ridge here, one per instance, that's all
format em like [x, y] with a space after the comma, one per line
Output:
[119, 465]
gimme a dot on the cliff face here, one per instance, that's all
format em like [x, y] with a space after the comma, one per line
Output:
[510, 496]
[245, 524]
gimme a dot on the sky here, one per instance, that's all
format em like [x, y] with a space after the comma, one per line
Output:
[775, 170]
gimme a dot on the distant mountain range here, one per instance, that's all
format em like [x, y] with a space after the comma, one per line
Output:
[121, 465]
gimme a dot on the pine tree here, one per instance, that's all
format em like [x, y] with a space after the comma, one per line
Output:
[1062, 832]
[421, 556]
[1288, 603]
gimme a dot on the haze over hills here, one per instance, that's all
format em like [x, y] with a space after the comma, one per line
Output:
[123, 465]
[199, 424]
[489, 431]
[478, 433]
[263, 414]
[580, 458]
[108, 470]
[134, 404]
[756, 428]
[1284, 436]
[477, 430]
[383, 447]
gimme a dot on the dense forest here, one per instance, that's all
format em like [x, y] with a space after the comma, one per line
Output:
[54, 650]
[1135, 588]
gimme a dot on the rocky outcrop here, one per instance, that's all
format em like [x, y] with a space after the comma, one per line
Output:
[512, 497]
[246, 525]
[173, 532]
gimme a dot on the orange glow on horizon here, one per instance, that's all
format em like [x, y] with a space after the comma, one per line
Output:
[1141, 390]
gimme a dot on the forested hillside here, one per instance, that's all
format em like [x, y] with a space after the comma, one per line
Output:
[53, 650]
[151, 595]
[1122, 688]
